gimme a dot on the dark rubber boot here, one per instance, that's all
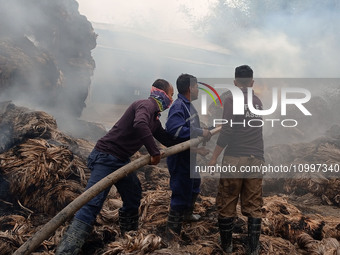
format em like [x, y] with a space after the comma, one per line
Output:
[254, 231]
[189, 216]
[128, 221]
[175, 221]
[226, 226]
[74, 238]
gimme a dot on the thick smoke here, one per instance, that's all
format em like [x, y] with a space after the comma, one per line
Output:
[46, 62]
[285, 39]
[45, 55]
[278, 39]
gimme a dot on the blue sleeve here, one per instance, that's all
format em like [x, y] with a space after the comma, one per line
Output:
[176, 124]
[166, 138]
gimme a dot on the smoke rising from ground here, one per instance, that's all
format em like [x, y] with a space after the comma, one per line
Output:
[278, 39]
[281, 39]
[45, 55]
[46, 48]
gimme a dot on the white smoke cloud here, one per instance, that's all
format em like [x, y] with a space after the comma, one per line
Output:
[162, 39]
[278, 38]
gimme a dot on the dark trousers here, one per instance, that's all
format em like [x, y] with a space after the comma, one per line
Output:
[182, 185]
[102, 164]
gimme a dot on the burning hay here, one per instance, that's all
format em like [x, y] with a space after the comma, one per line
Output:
[143, 244]
[48, 171]
[311, 246]
[37, 169]
[280, 228]
[11, 229]
[18, 124]
[286, 221]
[318, 171]
[46, 63]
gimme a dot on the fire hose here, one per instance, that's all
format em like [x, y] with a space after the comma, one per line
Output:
[50, 227]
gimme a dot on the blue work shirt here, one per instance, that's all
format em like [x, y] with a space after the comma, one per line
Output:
[183, 122]
[183, 119]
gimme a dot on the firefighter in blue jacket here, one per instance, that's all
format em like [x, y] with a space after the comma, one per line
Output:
[183, 122]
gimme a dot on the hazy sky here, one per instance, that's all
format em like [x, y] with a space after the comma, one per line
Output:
[172, 21]
[281, 38]
[278, 38]
[160, 14]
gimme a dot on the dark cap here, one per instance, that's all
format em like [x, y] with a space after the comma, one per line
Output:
[243, 71]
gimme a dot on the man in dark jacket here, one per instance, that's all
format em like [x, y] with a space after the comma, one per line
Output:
[243, 147]
[183, 122]
[137, 127]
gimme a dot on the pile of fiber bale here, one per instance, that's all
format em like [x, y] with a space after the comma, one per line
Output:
[44, 169]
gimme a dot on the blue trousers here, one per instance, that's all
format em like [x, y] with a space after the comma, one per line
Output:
[183, 187]
[102, 164]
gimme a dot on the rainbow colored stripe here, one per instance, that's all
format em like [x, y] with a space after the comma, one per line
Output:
[209, 93]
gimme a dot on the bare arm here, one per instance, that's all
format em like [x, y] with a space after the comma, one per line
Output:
[217, 151]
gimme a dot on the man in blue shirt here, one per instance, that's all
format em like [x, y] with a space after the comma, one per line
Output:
[183, 122]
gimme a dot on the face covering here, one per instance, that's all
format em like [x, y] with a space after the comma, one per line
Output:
[161, 98]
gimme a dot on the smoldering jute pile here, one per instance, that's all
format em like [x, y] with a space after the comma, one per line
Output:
[43, 169]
